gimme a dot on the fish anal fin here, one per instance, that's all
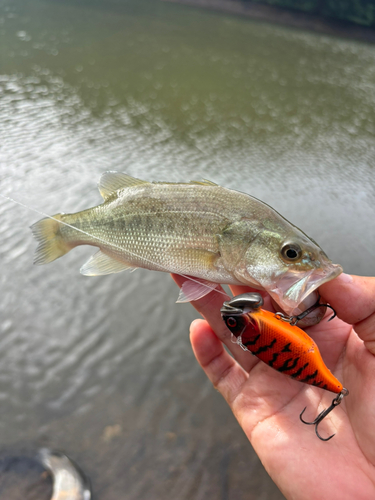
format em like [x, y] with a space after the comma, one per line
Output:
[100, 264]
[194, 289]
[110, 182]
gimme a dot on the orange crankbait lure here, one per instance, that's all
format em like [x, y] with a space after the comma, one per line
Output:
[276, 340]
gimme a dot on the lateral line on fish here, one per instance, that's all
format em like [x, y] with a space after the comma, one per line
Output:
[39, 212]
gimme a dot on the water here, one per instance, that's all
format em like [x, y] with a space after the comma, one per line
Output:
[102, 367]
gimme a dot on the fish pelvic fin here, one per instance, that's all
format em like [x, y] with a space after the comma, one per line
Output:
[51, 243]
[195, 289]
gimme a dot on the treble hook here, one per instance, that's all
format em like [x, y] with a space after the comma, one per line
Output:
[293, 320]
[312, 308]
[335, 402]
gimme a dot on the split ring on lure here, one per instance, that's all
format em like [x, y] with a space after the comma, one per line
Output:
[277, 341]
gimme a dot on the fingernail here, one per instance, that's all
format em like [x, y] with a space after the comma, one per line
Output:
[345, 278]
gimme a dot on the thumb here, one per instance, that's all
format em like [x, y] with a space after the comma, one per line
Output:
[353, 298]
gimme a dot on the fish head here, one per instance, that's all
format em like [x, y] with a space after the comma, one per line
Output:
[289, 266]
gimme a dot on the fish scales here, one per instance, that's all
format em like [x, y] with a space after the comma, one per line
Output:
[197, 229]
[158, 230]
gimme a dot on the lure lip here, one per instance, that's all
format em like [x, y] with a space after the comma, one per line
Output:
[243, 303]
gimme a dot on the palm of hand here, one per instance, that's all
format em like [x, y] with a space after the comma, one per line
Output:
[267, 405]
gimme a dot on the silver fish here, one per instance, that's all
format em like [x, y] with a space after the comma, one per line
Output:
[197, 229]
[69, 482]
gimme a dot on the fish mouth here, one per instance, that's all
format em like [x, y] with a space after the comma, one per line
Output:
[291, 289]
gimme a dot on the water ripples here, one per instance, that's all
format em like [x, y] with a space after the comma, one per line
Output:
[102, 366]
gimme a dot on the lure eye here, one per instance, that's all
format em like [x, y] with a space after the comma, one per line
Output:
[236, 324]
[231, 322]
[291, 252]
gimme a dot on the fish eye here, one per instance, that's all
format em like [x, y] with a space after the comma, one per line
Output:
[291, 252]
[231, 322]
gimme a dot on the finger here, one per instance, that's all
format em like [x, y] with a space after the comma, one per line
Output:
[209, 307]
[253, 397]
[353, 298]
[366, 331]
[224, 372]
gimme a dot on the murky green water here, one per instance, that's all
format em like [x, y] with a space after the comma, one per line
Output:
[101, 367]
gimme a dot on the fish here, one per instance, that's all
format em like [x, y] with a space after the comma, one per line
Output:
[211, 234]
[69, 482]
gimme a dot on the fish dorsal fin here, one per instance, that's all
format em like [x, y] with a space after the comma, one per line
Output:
[100, 264]
[203, 182]
[110, 182]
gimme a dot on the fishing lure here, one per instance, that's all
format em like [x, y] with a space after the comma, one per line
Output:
[277, 341]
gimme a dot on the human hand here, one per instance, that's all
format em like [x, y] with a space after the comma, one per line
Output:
[267, 404]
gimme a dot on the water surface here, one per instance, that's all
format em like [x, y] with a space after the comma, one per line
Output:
[102, 367]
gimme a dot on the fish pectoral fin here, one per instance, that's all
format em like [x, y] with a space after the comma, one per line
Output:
[194, 289]
[110, 182]
[101, 264]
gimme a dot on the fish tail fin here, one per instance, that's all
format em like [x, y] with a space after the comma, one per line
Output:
[51, 243]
